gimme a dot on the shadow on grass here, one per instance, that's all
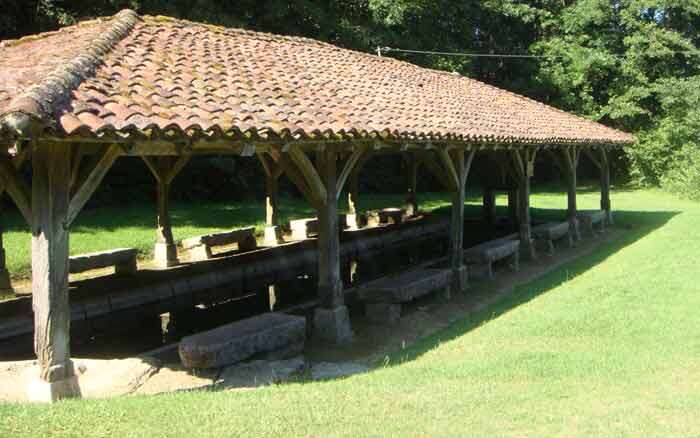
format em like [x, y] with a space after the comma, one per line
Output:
[643, 224]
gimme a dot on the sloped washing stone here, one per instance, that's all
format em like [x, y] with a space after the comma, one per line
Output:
[232, 343]
[333, 370]
[260, 373]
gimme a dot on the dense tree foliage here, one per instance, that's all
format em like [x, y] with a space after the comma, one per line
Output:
[633, 64]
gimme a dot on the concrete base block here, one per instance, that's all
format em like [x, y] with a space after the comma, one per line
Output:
[333, 325]
[41, 391]
[165, 255]
[383, 313]
[273, 236]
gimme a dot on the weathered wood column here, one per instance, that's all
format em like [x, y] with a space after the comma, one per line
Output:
[489, 205]
[273, 233]
[570, 158]
[411, 183]
[524, 164]
[50, 221]
[601, 161]
[457, 171]
[331, 319]
[5, 283]
[356, 161]
[605, 185]
[513, 209]
[321, 185]
[164, 170]
[353, 219]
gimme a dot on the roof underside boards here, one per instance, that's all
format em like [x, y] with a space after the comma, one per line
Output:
[134, 76]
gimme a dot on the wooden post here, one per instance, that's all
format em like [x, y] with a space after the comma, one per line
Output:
[489, 205]
[331, 319]
[165, 253]
[164, 170]
[411, 182]
[524, 161]
[273, 233]
[5, 283]
[353, 219]
[50, 207]
[570, 160]
[605, 186]
[513, 209]
[456, 255]
[457, 170]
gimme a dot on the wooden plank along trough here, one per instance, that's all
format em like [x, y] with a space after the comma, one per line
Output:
[123, 260]
[200, 247]
[489, 252]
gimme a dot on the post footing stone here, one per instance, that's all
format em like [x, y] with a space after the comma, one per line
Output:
[333, 325]
[273, 236]
[165, 255]
[231, 343]
[41, 391]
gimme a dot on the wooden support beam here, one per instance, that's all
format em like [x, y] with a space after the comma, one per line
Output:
[411, 163]
[524, 160]
[331, 319]
[317, 190]
[290, 169]
[435, 169]
[349, 166]
[16, 187]
[569, 158]
[90, 179]
[453, 177]
[50, 234]
[605, 185]
[165, 170]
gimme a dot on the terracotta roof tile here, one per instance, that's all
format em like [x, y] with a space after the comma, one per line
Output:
[130, 72]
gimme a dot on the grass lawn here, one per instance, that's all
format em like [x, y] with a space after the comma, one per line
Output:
[607, 345]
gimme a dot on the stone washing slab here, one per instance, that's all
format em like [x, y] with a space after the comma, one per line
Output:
[551, 230]
[231, 343]
[491, 251]
[404, 287]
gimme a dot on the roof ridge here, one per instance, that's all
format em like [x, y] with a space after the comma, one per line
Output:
[34, 106]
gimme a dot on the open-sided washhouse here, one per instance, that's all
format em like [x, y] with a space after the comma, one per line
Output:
[72, 102]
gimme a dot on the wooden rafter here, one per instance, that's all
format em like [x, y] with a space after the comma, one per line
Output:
[290, 169]
[453, 177]
[313, 181]
[350, 164]
[90, 179]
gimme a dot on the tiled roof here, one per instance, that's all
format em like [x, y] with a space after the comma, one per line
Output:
[132, 75]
